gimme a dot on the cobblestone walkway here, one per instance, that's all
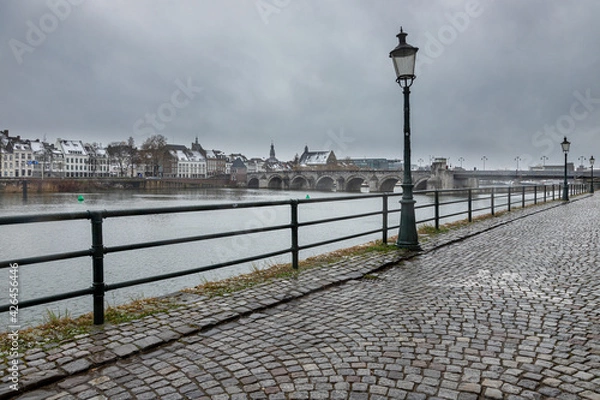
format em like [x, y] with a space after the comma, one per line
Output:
[504, 313]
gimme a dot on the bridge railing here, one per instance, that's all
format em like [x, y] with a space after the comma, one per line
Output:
[470, 202]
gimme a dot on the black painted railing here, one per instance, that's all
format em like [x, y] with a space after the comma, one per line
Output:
[475, 201]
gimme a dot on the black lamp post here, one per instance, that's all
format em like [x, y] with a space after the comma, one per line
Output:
[566, 145]
[404, 56]
[592, 168]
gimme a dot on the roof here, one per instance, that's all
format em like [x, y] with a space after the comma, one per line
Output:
[72, 147]
[316, 157]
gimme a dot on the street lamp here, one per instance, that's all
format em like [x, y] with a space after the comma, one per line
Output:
[484, 159]
[403, 57]
[544, 159]
[517, 159]
[460, 159]
[566, 145]
[592, 168]
[581, 160]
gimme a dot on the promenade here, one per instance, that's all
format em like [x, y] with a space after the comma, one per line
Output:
[506, 308]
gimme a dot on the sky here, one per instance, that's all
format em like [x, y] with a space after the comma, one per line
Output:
[499, 82]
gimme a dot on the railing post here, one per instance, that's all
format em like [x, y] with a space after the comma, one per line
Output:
[24, 182]
[437, 210]
[545, 193]
[97, 266]
[470, 205]
[294, 210]
[384, 236]
[509, 198]
[553, 196]
[492, 201]
[535, 194]
[523, 197]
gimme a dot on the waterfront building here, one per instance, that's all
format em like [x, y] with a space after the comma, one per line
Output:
[190, 163]
[317, 158]
[99, 163]
[77, 159]
[16, 156]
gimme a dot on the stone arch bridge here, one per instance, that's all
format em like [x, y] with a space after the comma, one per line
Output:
[341, 181]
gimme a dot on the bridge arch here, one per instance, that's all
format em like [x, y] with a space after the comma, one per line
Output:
[325, 183]
[387, 183]
[421, 184]
[275, 182]
[354, 183]
[253, 183]
[299, 183]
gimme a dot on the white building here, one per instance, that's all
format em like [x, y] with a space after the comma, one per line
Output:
[76, 163]
[190, 163]
[16, 157]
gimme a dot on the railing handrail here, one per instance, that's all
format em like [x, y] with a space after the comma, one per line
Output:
[98, 250]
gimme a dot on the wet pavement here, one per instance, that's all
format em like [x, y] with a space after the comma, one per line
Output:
[506, 308]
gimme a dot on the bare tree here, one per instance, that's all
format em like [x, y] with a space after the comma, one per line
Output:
[123, 154]
[154, 153]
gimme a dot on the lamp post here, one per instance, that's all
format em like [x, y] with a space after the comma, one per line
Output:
[403, 57]
[544, 159]
[484, 159]
[581, 160]
[592, 170]
[461, 159]
[517, 159]
[566, 145]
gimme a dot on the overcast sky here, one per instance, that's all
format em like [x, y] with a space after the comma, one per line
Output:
[500, 79]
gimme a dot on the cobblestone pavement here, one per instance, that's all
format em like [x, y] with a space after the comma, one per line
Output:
[508, 313]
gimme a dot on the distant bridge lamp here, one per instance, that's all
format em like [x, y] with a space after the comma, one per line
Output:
[592, 171]
[484, 159]
[403, 57]
[566, 145]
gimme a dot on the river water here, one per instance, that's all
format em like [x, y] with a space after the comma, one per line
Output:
[18, 241]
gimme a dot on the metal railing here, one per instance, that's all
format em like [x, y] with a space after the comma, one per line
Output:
[476, 201]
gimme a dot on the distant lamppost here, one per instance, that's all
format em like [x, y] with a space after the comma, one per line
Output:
[581, 160]
[420, 162]
[484, 159]
[566, 145]
[544, 159]
[517, 159]
[460, 159]
[403, 57]
[592, 168]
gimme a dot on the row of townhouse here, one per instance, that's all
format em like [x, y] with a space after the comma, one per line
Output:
[75, 159]
[66, 158]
